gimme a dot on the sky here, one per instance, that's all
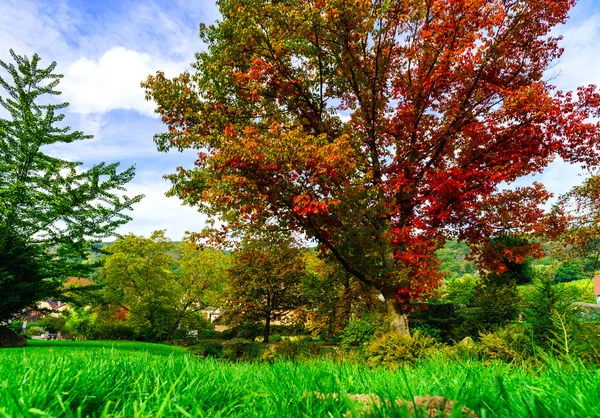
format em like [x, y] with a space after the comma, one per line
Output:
[105, 48]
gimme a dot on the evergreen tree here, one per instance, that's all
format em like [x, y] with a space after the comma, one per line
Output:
[50, 208]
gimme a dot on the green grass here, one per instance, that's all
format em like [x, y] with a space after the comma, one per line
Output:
[125, 379]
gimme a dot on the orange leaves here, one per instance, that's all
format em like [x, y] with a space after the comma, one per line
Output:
[373, 126]
[305, 206]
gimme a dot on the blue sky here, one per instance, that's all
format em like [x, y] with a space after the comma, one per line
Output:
[106, 48]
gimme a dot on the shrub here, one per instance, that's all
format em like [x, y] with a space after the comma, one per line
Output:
[358, 332]
[393, 347]
[241, 349]
[33, 330]
[234, 349]
[53, 324]
[428, 330]
[302, 347]
[111, 331]
[496, 301]
[461, 290]
[208, 349]
[247, 331]
[16, 325]
[543, 304]
[510, 343]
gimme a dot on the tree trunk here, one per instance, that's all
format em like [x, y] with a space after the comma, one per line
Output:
[346, 304]
[267, 328]
[399, 319]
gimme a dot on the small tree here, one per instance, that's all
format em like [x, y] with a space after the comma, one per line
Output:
[496, 301]
[543, 303]
[50, 208]
[265, 280]
[163, 287]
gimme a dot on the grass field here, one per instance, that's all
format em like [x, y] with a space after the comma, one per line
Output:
[127, 379]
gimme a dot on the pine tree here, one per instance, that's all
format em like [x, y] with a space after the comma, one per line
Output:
[51, 209]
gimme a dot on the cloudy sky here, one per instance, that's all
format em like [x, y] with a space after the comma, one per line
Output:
[106, 47]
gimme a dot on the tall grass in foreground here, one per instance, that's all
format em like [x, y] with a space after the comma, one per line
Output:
[151, 381]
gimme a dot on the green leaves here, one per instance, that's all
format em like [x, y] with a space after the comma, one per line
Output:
[163, 286]
[51, 205]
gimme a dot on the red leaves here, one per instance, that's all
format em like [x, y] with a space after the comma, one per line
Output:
[443, 107]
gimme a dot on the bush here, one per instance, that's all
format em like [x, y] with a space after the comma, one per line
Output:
[511, 343]
[111, 331]
[16, 325]
[247, 331]
[33, 330]
[295, 349]
[430, 331]
[241, 349]
[496, 301]
[52, 324]
[438, 320]
[396, 348]
[461, 290]
[358, 332]
[208, 349]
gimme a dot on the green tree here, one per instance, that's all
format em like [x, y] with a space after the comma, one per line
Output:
[496, 301]
[570, 270]
[162, 286]
[544, 302]
[50, 208]
[266, 277]
[332, 296]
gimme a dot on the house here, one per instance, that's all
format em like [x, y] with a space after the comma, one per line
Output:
[44, 308]
[597, 288]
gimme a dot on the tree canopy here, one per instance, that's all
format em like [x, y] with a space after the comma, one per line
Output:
[377, 128]
[50, 208]
[162, 286]
[265, 280]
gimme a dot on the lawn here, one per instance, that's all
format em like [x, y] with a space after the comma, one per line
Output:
[127, 379]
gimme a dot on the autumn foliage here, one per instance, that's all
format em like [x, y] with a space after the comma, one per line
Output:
[378, 129]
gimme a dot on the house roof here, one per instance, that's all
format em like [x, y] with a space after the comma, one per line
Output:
[597, 285]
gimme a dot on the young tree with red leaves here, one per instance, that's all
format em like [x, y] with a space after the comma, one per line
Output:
[377, 128]
[265, 280]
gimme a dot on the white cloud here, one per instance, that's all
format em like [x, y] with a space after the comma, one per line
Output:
[113, 81]
[156, 211]
[580, 61]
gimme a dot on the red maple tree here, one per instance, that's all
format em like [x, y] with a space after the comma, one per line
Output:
[377, 128]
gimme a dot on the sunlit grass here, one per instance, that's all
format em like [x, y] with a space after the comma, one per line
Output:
[125, 379]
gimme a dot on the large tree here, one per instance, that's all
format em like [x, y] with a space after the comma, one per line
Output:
[50, 208]
[377, 128]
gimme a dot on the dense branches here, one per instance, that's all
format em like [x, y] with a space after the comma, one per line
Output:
[378, 129]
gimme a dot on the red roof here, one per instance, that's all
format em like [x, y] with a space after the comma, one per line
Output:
[596, 285]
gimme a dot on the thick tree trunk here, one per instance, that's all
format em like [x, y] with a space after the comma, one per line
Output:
[399, 319]
[267, 328]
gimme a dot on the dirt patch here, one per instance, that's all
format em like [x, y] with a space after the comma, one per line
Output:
[429, 406]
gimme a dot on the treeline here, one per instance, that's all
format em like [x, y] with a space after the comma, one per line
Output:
[154, 289]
